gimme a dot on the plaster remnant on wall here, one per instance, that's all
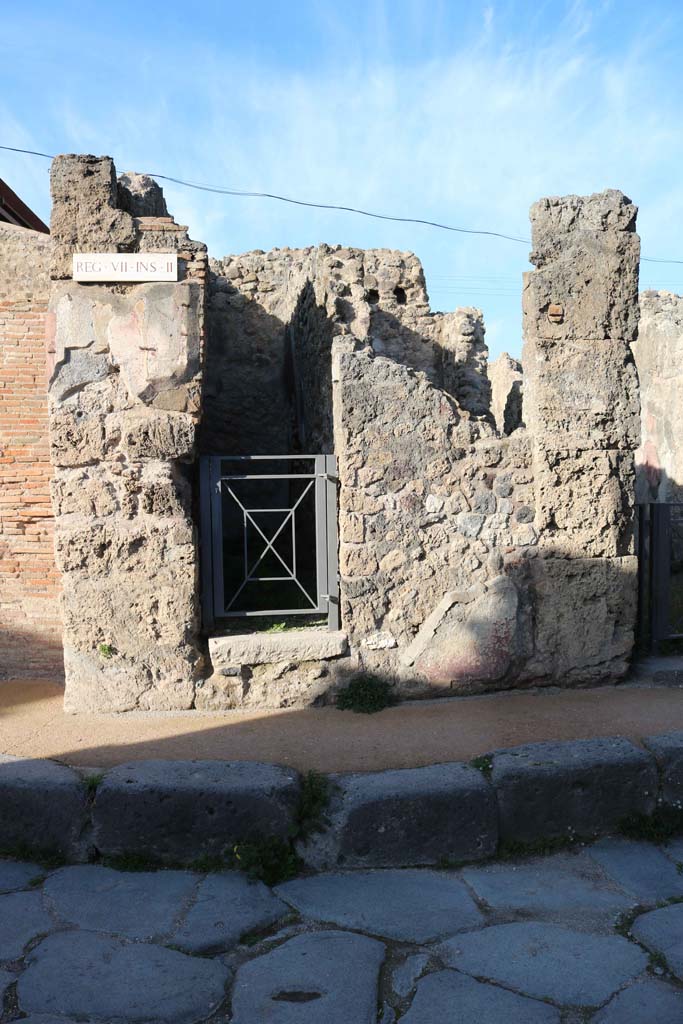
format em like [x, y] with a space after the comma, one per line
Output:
[507, 389]
[658, 352]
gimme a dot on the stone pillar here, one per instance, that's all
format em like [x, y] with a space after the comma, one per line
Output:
[124, 401]
[580, 309]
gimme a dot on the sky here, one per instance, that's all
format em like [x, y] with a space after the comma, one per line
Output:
[459, 112]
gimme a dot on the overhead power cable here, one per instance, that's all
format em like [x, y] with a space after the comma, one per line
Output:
[222, 190]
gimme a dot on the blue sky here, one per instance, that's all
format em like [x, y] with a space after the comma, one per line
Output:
[461, 112]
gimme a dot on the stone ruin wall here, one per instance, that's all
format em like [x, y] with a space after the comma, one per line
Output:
[124, 401]
[30, 623]
[471, 559]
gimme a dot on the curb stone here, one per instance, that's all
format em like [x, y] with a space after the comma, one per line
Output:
[582, 788]
[178, 811]
[416, 816]
[43, 807]
[668, 751]
[181, 810]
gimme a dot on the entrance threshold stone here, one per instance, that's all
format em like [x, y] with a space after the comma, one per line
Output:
[293, 645]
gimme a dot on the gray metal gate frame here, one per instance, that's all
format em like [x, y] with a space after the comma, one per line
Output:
[323, 480]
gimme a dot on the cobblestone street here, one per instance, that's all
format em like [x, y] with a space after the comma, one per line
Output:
[589, 935]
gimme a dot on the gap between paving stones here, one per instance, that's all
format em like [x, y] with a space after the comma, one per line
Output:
[273, 823]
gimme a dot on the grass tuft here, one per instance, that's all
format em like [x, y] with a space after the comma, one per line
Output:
[366, 694]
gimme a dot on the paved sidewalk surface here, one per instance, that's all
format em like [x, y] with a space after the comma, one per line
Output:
[33, 724]
[594, 934]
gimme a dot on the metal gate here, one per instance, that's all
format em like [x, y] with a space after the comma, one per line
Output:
[269, 536]
[660, 544]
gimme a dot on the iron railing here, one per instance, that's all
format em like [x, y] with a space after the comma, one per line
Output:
[269, 536]
[660, 550]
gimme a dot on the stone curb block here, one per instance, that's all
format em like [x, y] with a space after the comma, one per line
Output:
[410, 816]
[580, 788]
[177, 811]
[43, 807]
[668, 751]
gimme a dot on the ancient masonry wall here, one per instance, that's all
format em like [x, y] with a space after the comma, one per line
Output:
[30, 624]
[658, 353]
[124, 404]
[469, 559]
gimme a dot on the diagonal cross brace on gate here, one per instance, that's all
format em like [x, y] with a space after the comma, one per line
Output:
[223, 595]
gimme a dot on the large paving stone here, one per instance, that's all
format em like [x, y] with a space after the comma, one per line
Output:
[644, 1002]
[139, 905]
[42, 806]
[406, 817]
[449, 996]
[328, 977]
[226, 907]
[22, 918]
[662, 932]
[547, 961]
[16, 874]
[567, 887]
[84, 975]
[411, 906]
[674, 849]
[668, 750]
[178, 810]
[639, 868]
[584, 787]
[404, 977]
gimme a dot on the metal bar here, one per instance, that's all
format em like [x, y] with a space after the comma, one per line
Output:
[661, 554]
[331, 543]
[270, 476]
[264, 458]
[273, 611]
[217, 537]
[321, 533]
[205, 545]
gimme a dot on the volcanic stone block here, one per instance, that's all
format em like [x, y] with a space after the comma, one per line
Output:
[668, 751]
[264, 648]
[42, 806]
[409, 816]
[582, 788]
[586, 252]
[178, 810]
[585, 610]
[439, 993]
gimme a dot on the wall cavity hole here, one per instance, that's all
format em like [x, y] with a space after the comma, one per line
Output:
[400, 295]
[372, 296]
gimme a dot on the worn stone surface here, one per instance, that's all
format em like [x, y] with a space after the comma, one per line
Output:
[585, 613]
[641, 1002]
[470, 641]
[6, 980]
[547, 961]
[86, 975]
[639, 868]
[411, 906]
[662, 932]
[668, 750]
[404, 978]
[328, 976]
[42, 806]
[464, 354]
[226, 907]
[410, 816]
[585, 788]
[298, 645]
[24, 264]
[658, 353]
[183, 809]
[22, 918]
[566, 888]
[138, 905]
[507, 388]
[141, 195]
[16, 874]
[453, 997]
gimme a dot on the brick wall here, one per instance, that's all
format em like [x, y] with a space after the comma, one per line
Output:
[30, 627]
